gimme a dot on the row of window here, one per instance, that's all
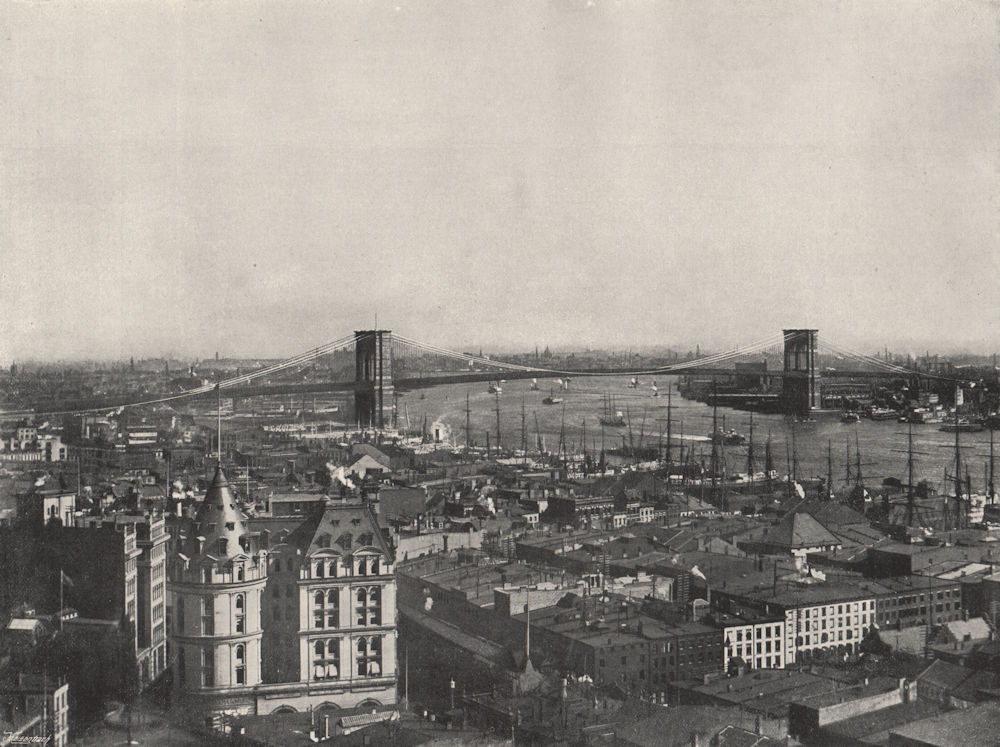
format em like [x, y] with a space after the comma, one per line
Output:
[367, 658]
[208, 614]
[364, 565]
[763, 632]
[367, 608]
[207, 669]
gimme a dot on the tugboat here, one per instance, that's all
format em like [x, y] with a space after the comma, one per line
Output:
[552, 399]
[495, 388]
[534, 385]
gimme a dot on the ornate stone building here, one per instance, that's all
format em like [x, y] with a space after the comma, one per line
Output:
[281, 614]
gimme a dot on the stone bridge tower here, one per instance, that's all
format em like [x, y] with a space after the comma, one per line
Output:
[800, 392]
[373, 394]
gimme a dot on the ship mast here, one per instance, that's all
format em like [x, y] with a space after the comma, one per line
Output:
[467, 423]
[669, 388]
[499, 445]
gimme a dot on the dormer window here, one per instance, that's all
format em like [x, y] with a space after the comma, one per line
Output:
[231, 525]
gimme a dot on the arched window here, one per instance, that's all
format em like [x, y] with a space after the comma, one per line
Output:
[362, 567]
[241, 664]
[332, 570]
[319, 570]
[331, 609]
[240, 604]
[277, 565]
[326, 659]
[239, 572]
[368, 607]
[373, 567]
[369, 656]
[319, 609]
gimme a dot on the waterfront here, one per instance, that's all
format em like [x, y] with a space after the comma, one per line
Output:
[883, 444]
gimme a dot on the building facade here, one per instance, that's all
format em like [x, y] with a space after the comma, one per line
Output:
[290, 613]
[216, 580]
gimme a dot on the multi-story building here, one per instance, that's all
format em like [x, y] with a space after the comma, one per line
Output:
[287, 614]
[216, 579]
[824, 619]
[330, 608]
[42, 505]
[757, 640]
[150, 587]
[35, 710]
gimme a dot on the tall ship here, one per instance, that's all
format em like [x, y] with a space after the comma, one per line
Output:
[609, 415]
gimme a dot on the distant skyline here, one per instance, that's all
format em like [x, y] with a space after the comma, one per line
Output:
[258, 179]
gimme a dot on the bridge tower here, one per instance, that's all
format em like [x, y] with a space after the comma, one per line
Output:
[800, 392]
[373, 395]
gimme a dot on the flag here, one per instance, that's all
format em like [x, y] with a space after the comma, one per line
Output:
[64, 579]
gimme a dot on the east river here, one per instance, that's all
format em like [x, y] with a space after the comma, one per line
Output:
[882, 444]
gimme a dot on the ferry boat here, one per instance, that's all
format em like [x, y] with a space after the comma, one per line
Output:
[962, 426]
[850, 417]
[728, 438]
[882, 413]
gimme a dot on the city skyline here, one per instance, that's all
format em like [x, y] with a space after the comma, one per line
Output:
[189, 179]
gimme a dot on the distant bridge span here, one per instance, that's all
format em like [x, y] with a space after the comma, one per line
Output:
[374, 382]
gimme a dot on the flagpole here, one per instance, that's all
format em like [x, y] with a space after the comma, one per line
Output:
[60, 599]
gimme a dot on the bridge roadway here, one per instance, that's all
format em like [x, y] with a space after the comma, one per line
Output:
[407, 383]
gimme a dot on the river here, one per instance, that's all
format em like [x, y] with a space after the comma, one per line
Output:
[882, 444]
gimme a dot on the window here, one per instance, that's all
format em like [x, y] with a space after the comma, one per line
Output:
[369, 656]
[332, 569]
[241, 664]
[369, 606]
[180, 616]
[326, 659]
[207, 668]
[277, 565]
[180, 665]
[325, 611]
[240, 604]
[319, 570]
[239, 572]
[373, 568]
[207, 616]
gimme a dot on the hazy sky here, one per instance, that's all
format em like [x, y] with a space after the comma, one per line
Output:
[258, 178]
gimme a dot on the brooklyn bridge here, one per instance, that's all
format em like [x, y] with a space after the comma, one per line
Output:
[386, 363]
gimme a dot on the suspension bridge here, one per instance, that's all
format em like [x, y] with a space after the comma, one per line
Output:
[385, 362]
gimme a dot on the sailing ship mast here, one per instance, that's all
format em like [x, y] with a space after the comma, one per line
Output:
[524, 435]
[669, 407]
[499, 445]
